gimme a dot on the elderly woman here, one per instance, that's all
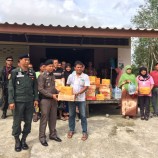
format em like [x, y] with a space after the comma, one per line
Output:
[128, 101]
[145, 85]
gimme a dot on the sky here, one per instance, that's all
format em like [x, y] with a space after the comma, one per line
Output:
[97, 13]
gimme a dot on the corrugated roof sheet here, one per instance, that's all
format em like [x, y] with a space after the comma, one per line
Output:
[83, 27]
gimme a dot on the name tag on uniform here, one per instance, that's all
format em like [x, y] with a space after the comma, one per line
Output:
[9, 76]
[20, 76]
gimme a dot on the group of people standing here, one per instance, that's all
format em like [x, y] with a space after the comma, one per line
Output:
[148, 81]
[26, 92]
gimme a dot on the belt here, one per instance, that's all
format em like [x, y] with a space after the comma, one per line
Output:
[44, 97]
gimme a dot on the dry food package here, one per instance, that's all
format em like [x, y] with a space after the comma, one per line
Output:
[105, 82]
[66, 90]
[58, 84]
[92, 79]
[100, 97]
[144, 90]
[64, 97]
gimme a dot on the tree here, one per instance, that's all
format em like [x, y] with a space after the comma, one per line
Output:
[146, 49]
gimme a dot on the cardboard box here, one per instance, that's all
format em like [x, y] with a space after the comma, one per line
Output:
[91, 91]
[106, 91]
[58, 84]
[100, 97]
[64, 97]
[66, 90]
[105, 82]
[92, 87]
[92, 79]
[97, 81]
[144, 90]
[90, 97]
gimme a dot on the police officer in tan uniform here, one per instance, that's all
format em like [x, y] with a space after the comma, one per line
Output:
[48, 104]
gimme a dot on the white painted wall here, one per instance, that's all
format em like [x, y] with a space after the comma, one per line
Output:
[124, 56]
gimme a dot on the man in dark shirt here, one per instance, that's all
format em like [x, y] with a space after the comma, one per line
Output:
[58, 72]
[5, 73]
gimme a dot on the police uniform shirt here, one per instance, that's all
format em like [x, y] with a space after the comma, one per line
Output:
[46, 84]
[22, 86]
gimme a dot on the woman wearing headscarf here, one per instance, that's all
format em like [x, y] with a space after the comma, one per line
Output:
[128, 102]
[145, 85]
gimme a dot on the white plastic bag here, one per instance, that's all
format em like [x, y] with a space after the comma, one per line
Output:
[117, 92]
[131, 88]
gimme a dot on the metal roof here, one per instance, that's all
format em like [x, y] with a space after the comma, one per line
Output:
[76, 31]
[78, 27]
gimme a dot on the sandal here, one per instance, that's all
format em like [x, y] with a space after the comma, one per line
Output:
[62, 118]
[70, 134]
[84, 136]
[67, 117]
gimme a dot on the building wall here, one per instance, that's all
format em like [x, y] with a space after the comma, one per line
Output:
[12, 50]
[124, 56]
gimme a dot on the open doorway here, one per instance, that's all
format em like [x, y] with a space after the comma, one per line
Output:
[70, 55]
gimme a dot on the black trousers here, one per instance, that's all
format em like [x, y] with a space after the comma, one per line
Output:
[5, 107]
[25, 110]
[144, 102]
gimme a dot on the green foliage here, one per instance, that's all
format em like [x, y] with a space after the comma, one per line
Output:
[135, 70]
[146, 49]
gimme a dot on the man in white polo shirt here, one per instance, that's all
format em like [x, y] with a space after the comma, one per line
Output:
[80, 83]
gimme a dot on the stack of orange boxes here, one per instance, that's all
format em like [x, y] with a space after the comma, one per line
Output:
[94, 84]
[90, 94]
[105, 88]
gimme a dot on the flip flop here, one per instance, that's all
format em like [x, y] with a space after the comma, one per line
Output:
[84, 136]
[62, 118]
[70, 134]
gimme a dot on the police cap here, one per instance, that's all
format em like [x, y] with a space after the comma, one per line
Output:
[21, 56]
[48, 62]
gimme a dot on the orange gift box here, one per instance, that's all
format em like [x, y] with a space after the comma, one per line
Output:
[97, 81]
[100, 97]
[58, 84]
[106, 91]
[90, 97]
[90, 93]
[64, 97]
[144, 90]
[105, 82]
[92, 79]
[66, 90]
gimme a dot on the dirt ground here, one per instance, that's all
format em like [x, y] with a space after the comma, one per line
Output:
[109, 137]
